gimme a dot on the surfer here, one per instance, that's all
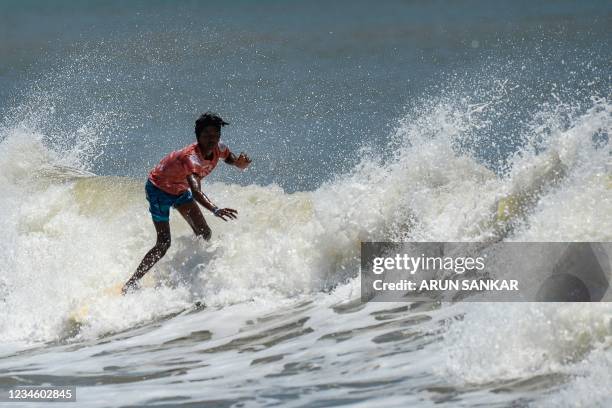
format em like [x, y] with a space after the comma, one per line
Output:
[175, 182]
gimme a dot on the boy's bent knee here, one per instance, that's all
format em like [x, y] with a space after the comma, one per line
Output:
[205, 233]
[163, 246]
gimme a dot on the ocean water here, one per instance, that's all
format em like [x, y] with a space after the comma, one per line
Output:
[394, 120]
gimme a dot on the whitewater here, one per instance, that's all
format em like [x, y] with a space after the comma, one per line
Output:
[283, 322]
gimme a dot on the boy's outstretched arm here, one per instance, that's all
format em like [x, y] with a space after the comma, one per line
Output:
[242, 161]
[201, 198]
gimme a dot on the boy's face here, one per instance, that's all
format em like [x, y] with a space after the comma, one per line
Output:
[209, 138]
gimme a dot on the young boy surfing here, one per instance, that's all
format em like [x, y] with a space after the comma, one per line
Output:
[175, 182]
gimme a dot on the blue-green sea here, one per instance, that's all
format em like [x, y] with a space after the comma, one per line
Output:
[366, 121]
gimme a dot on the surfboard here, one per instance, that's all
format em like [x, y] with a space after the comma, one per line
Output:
[80, 314]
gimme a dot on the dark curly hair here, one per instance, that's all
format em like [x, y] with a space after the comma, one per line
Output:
[208, 119]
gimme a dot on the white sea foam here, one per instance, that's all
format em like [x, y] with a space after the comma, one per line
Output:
[68, 238]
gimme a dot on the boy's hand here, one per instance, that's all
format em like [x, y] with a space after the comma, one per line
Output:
[225, 212]
[242, 161]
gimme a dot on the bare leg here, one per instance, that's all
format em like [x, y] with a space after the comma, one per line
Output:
[154, 254]
[192, 214]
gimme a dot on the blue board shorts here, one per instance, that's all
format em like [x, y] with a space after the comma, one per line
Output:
[160, 201]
